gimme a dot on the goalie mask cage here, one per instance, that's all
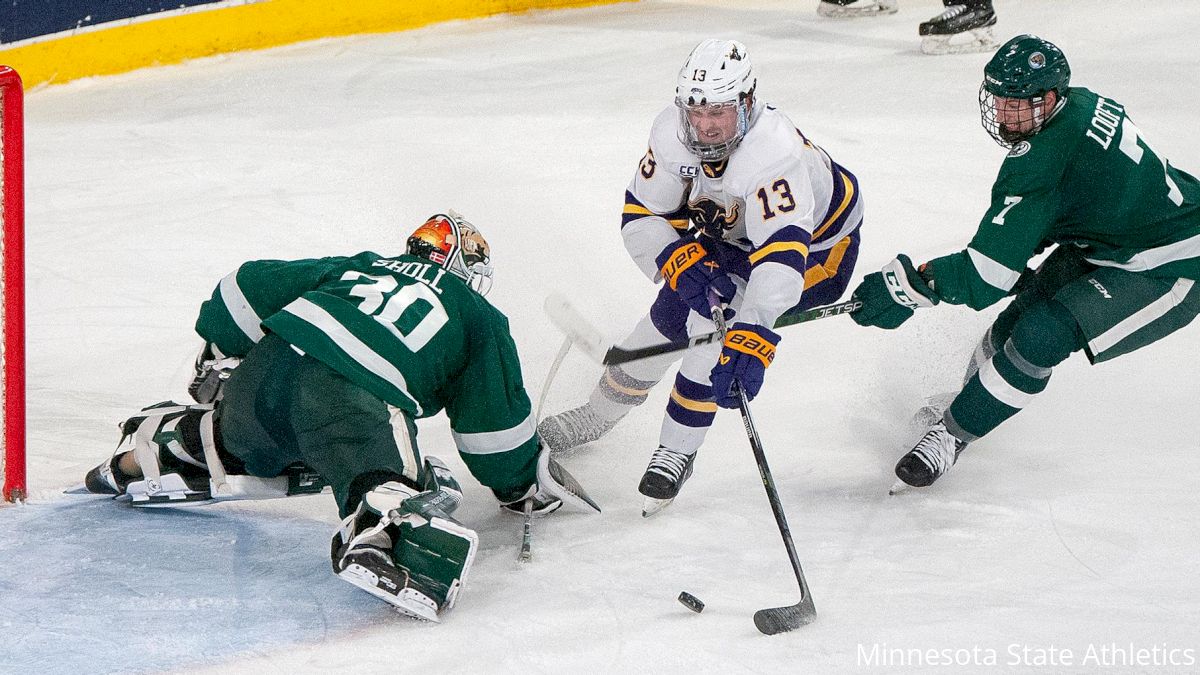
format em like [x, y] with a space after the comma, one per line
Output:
[12, 221]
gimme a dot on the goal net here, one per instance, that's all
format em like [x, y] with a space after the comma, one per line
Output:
[12, 286]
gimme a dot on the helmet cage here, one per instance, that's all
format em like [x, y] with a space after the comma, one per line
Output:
[456, 245]
[1022, 124]
[713, 152]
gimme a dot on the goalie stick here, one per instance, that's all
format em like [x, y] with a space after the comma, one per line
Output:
[773, 619]
[563, 315]
[526, 553]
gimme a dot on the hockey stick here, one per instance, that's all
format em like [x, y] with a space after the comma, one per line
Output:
[568, 320]
[774, 619]
[526, 553]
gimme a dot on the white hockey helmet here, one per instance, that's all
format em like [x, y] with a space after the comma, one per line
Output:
[717, 74]
[455, 244]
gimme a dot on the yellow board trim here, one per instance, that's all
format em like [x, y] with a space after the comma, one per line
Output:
[778, 247]
[692, 404]
[270, 23]
[841, 207]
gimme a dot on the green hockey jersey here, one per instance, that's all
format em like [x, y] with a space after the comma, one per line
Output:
[402, 328]
[1089, 180]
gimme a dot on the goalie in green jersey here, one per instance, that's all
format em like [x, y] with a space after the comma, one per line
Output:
[1078, 176]
[314, 373]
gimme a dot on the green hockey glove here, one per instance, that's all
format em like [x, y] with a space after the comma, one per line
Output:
[890, 296]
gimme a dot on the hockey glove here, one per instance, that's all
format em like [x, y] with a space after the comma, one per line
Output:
[747, 352]
[691, 272]
[889, 296]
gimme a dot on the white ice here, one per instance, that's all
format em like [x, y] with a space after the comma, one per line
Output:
[1074, 528]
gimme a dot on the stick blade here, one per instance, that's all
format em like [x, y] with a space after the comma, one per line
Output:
[555, 479]
[581, 331]
[783, 619]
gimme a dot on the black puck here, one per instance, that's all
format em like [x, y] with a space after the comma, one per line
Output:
[691, 602]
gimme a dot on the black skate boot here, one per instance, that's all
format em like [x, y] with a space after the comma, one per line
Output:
[665, 475]
[108, 478]
[961, 29]
[930, 459]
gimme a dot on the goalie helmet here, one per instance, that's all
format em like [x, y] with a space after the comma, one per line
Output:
[455, 244]
[717, 81]
[1021, 74]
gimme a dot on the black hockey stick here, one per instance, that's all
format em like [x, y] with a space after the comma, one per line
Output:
[774, 619]
[616, 355]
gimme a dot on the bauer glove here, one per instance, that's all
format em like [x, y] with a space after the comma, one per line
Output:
[889, 296]
[747, 352]
[691, 272]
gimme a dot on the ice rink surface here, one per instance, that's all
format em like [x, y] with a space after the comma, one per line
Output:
[1067, 541]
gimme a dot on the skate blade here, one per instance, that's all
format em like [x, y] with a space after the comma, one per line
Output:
[976, 41]
[363, 578]
[651, 506]
[898, 487]
[81, 489]
[837, 12]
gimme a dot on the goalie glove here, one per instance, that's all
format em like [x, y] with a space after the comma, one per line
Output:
[553, 487]
[212, 370]
[747, 352]
[692, 273]
[890, 296]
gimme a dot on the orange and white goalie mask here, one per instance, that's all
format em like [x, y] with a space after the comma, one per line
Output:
[455, 244]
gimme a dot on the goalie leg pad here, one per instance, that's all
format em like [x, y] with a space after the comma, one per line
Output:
[394, 547]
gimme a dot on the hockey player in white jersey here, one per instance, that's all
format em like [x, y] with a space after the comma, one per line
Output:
[731, 201]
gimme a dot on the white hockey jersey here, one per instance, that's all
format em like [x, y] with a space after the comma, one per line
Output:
[775, 200]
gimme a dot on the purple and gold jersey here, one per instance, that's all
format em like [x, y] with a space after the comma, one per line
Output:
[775, 202]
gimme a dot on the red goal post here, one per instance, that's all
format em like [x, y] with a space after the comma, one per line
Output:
[12, 220]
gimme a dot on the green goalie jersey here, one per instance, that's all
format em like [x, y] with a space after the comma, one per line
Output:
[1089, 180]
[402, 328]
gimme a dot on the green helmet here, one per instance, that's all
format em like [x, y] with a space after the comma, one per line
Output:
[1027, 66]
[1023, 72]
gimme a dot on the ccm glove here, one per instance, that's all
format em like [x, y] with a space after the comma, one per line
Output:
[889, 296]
[748, 350]
[688, 269]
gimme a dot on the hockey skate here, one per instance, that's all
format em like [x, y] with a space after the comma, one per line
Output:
[960, 29]
[167, 474]
[105, 479]
[177, 461]
[853, 9]
[402, 546]
[929, 460]
[664, 477]
[169, 489]
[573, 428]
[369, 565]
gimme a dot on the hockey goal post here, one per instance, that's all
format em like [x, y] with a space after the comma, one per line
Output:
[12, 222]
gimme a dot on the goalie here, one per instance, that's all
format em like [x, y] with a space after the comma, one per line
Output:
[338, 357]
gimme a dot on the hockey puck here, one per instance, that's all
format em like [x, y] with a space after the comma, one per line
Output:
[691, 602]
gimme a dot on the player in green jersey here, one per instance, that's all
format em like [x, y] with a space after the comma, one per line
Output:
[1080, 177]
[314, 373]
